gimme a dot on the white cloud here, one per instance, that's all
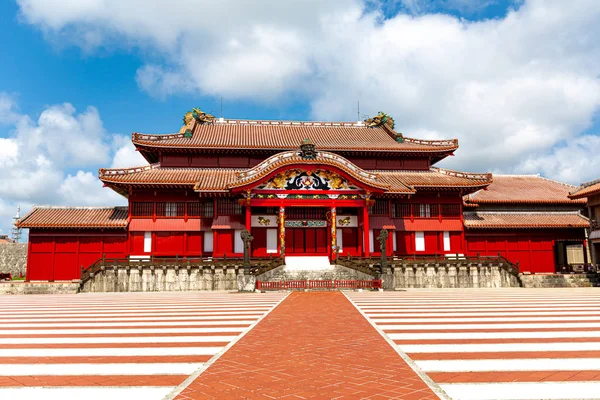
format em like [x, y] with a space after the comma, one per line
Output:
[36, 158]
[125, 154]
[8, 109]
[511, 89]
[569, 162]
[86, 188]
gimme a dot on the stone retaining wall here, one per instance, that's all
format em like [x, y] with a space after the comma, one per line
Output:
[558, 280]
[21, 287]
[447, 276]
[164, 279]
[13, 258]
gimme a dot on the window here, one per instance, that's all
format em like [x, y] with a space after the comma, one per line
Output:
[238, 243]
[208, 242]
[446, 241]
[305, 213]
[419, 241]
[451, 210]
[171, 209]
[203, 209]
[271, 241]
[381, 207]
[574, 254]
[147, 242]
[425, 210]
[401, 210]
[142, 209]
[228, 207]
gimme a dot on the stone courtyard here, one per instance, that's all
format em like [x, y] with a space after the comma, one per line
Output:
[417, 344]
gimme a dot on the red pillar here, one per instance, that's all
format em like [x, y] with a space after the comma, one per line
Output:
[366, 231]
[248, 217]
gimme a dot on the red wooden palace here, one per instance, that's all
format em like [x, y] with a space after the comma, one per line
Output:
[306, 188]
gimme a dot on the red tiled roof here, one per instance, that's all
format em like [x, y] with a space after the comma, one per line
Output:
[586, 190]
[284, 135]
[75, 217]
[221, 179]
[280, 160]
[524, 189]
[489, 219]
[428, 225]
[433, 178]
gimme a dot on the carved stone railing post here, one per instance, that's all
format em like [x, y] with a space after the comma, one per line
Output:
[383, 236]
[246, 239]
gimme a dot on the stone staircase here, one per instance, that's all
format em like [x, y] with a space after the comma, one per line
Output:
[560, 280]
[309, 268]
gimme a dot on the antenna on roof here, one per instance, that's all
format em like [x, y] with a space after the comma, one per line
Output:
[358, 111]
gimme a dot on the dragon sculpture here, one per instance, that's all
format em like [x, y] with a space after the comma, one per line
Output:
[195, 115]
[383, 119]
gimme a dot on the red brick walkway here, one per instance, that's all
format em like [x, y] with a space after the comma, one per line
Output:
[312, 346]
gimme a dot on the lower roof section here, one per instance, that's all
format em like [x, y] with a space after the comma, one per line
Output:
[586, 190]
[220, 180]
[75, 218]
[532, 220]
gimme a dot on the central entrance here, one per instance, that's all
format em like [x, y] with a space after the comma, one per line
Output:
[306, 231]
[306, 241]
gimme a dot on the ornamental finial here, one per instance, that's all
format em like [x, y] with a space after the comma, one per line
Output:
[380, 119]
[194, 115]
[307, 150]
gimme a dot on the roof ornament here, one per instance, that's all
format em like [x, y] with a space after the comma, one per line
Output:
[383, 119]
[197, 115]
[307, 150]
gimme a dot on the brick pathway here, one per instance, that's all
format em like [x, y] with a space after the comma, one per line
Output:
[497, 344]
[116, 345]
[312, 346]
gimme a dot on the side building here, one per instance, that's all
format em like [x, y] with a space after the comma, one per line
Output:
[591, 192]
[530, 220]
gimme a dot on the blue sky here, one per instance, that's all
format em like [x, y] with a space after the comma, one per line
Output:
[516, 81]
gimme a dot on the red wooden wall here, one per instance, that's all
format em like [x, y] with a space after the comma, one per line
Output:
[168, 244]
[244, 161]
[434, 243]
[58, 255]
[533, 249]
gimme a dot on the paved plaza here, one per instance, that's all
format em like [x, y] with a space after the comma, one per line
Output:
[415, 344]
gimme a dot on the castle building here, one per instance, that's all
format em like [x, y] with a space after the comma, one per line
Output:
[305, 188]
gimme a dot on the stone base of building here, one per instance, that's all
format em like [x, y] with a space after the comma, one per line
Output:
[163, 279]
[560, 280]
[21, 287]
[445, 276]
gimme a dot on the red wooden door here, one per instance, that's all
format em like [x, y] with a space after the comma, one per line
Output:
[306, 241]
[259, 244]
[350, 241]
[321, 240]
[311, 240]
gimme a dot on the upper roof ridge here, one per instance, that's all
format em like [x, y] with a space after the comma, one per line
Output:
[50, 207]
[538, 175]
[125, 171]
